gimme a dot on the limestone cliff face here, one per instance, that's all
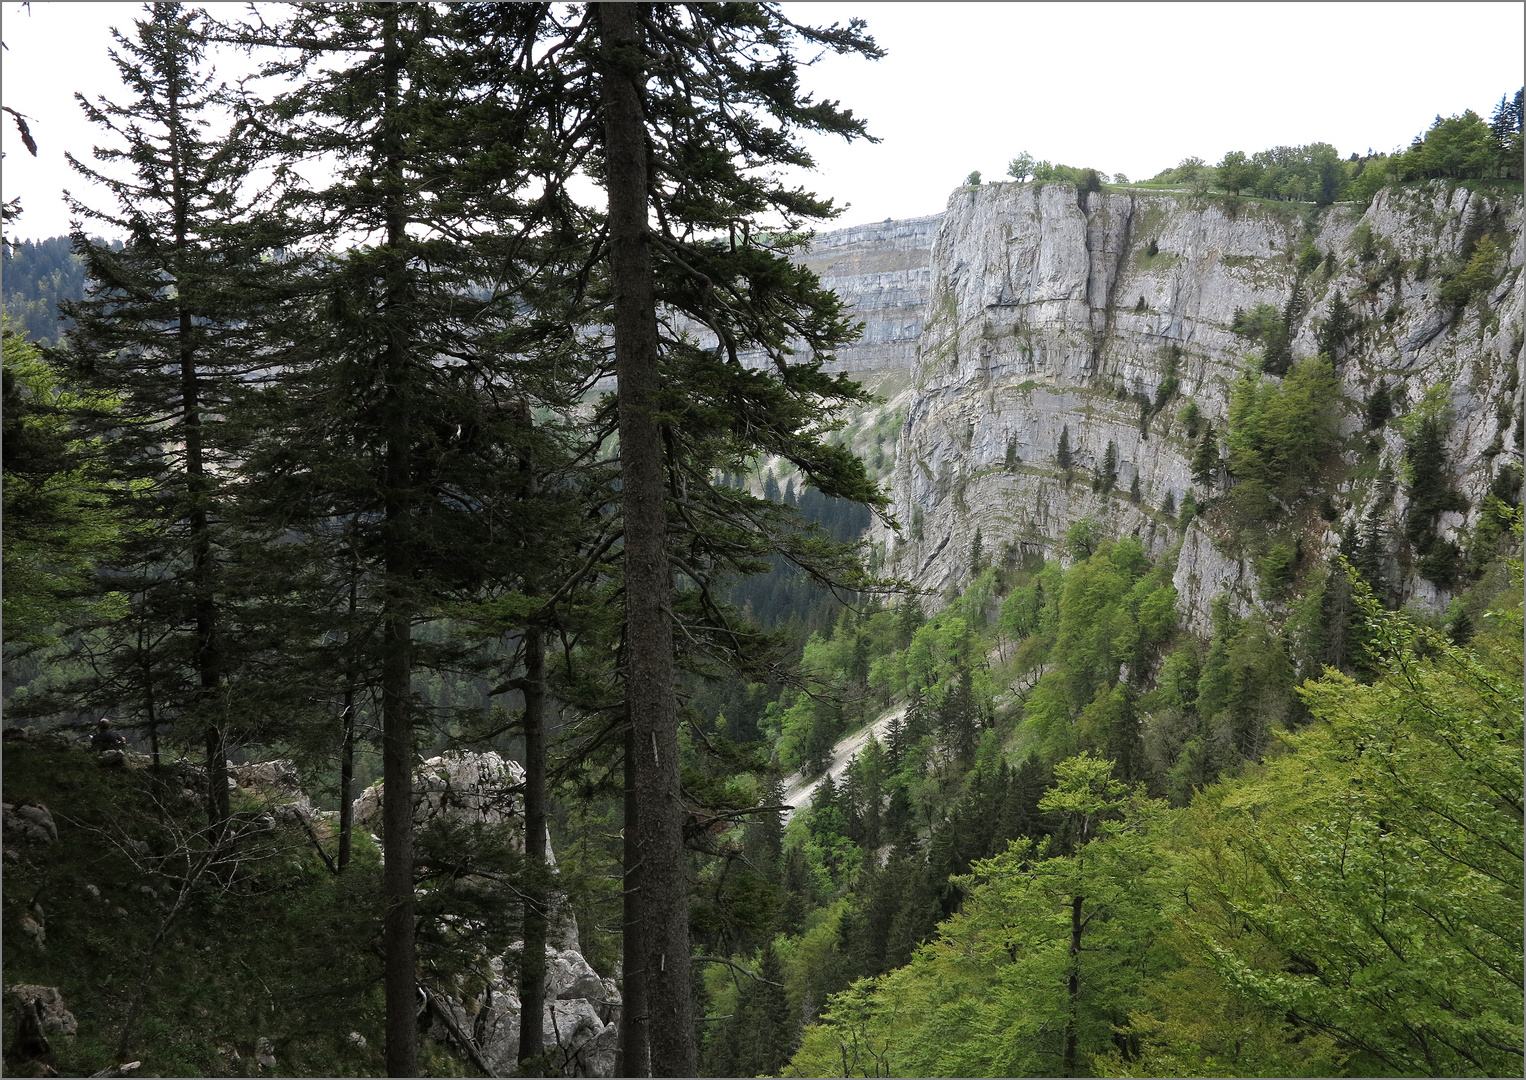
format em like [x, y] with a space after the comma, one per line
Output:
[883, 275]
[1048, 316]
[883, 272]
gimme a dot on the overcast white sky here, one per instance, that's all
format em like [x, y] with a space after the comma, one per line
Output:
[1131, 87]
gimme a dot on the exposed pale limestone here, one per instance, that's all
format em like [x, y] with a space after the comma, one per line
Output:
[883, 274]
[472, 788]
[581, 1020]
[800, 787]
[1046, 319]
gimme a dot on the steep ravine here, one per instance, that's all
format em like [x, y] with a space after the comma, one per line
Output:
[1043, 319]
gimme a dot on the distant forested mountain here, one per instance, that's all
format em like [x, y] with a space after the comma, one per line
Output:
[37, 274]
[786, 594]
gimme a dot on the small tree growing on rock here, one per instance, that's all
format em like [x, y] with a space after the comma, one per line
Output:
[1020, 168]
[1062, 454]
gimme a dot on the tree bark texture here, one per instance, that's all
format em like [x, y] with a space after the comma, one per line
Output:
[663, 901]
[532, 971]
[631, 1057]
[347, 725]
[1073, 988]
[532, 956]
[399, 973]
[208, 658]
[346, 780]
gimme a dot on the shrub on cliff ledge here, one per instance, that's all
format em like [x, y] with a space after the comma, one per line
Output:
[1476, 278]
[1280, 435]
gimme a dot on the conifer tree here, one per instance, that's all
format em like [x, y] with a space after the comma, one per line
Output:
[958, 721]
[895, 742]
[1109, 476]
[908, 618]
[413, 362]
[1191, 417]
[858, 667]
[1505, 134]
[677, 147]
[1336, 329]
[763, 843]
[1430, 489]
[164, 333]
[1205, 463]
[769, 1011]
[1380, 406]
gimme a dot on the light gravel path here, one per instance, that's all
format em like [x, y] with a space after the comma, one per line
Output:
[798, 790]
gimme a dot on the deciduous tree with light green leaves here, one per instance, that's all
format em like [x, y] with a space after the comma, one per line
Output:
[1021, 167]
[57, 522]
[1050, 952]
[1113, 612]
[1235, 172]
[1367, 884]
[1348, 904]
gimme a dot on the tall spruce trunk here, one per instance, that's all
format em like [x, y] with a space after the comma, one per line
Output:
[204, 604]
[399, 973]
[532, 969]
[153, 734]
[631, 1055]
[532, 956]
[346, 779]
[662, 908]
[347, 722]
[397, 756]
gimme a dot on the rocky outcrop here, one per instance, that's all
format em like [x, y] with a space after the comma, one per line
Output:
[581, 1018]
[579, 1023]
[478, 1013]
[29, 824]
[1054, 318]
[882, 273]
[37, 1012]
[472, 788]
[278, 777]
[47, 1004]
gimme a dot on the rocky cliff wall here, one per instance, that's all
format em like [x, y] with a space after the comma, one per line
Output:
[883, 272]
[1048, 314]
[883, 275]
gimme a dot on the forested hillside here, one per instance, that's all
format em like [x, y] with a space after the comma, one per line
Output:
[469, 566]
[38, 276]
[1061, 798]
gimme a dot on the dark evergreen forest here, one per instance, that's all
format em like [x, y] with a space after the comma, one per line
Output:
[38, 276]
